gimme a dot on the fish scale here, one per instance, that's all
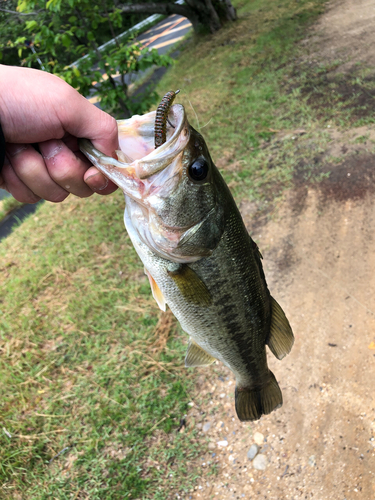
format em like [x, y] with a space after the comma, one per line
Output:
[198, 255]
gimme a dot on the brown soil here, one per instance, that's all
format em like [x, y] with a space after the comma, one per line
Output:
[319, 256]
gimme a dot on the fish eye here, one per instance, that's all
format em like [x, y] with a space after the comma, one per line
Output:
[198, 170]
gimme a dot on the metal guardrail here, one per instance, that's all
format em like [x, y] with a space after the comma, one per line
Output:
[138, 27]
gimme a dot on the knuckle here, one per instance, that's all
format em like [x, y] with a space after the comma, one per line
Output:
[64, 173]
[85, 194]
[57, 197]
[32, 199]
[25, 196]
[112, 125]
[109, 126]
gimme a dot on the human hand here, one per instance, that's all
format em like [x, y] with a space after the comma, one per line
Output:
[39, 108]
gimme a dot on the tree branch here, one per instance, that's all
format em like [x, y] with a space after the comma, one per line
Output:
[22, 13]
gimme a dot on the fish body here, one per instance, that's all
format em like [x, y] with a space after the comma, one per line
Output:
[198, 255]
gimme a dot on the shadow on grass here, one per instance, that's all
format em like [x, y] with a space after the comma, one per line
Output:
[16, 217]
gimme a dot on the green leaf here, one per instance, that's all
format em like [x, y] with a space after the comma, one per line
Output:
[90, 36]
[22, 6]
[72, 19]
[53, 5]
[66, 41]
[20, 40]
[31, 25]
[20, 52]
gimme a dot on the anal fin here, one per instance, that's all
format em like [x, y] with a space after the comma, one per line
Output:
[196, 356]
[252, 403]
[281, 338]
[156, 292]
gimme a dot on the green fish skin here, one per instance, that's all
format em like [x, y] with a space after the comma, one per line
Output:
[200, 259]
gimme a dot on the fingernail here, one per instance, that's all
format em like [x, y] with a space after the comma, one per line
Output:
[50, 150]
[14, 149]
[103, 186]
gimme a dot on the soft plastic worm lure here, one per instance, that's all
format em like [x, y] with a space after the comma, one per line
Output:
[162, 118]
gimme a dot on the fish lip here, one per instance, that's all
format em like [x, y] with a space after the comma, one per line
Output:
[174, 145]
[125, 175]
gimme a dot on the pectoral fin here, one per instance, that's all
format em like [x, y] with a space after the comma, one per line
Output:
[281, 337]
[192, 288]
[156, 292]
[196, 356]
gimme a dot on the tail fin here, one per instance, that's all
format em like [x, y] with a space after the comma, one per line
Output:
[251, 404]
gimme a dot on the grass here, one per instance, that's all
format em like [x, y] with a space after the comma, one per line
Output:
[88, 364]
[93, 391]
[247, 103]
[7, 205]
[264, 87]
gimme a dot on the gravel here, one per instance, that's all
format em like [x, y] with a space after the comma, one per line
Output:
[252, 451]
[206, 426]
[222, 443]
[260, 462]
[258, 438]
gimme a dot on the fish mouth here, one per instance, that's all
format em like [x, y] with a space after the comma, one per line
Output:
[138, 160]
[147, 176]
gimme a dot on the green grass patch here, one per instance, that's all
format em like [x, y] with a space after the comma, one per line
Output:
[7, 205]
[89, 366]
[250, 92]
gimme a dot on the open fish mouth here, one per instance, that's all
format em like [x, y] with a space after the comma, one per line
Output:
[149, 175]
[138, 160]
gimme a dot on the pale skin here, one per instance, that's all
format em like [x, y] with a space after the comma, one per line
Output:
[37, 108]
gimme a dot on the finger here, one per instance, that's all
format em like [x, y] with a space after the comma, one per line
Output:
[98, 182]
[90, 122]
[93, 177]
[30, 168]
[2, 181]
[65, 167]
[15, 186]
[31, 115]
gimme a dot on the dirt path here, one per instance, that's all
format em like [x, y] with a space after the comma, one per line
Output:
[345, 32]
[319, 256]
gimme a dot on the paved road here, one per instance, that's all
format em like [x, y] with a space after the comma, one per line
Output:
[165, 34]
[4, 194]
[162, 37]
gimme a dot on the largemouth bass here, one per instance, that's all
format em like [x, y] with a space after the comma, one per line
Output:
[198, 255]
